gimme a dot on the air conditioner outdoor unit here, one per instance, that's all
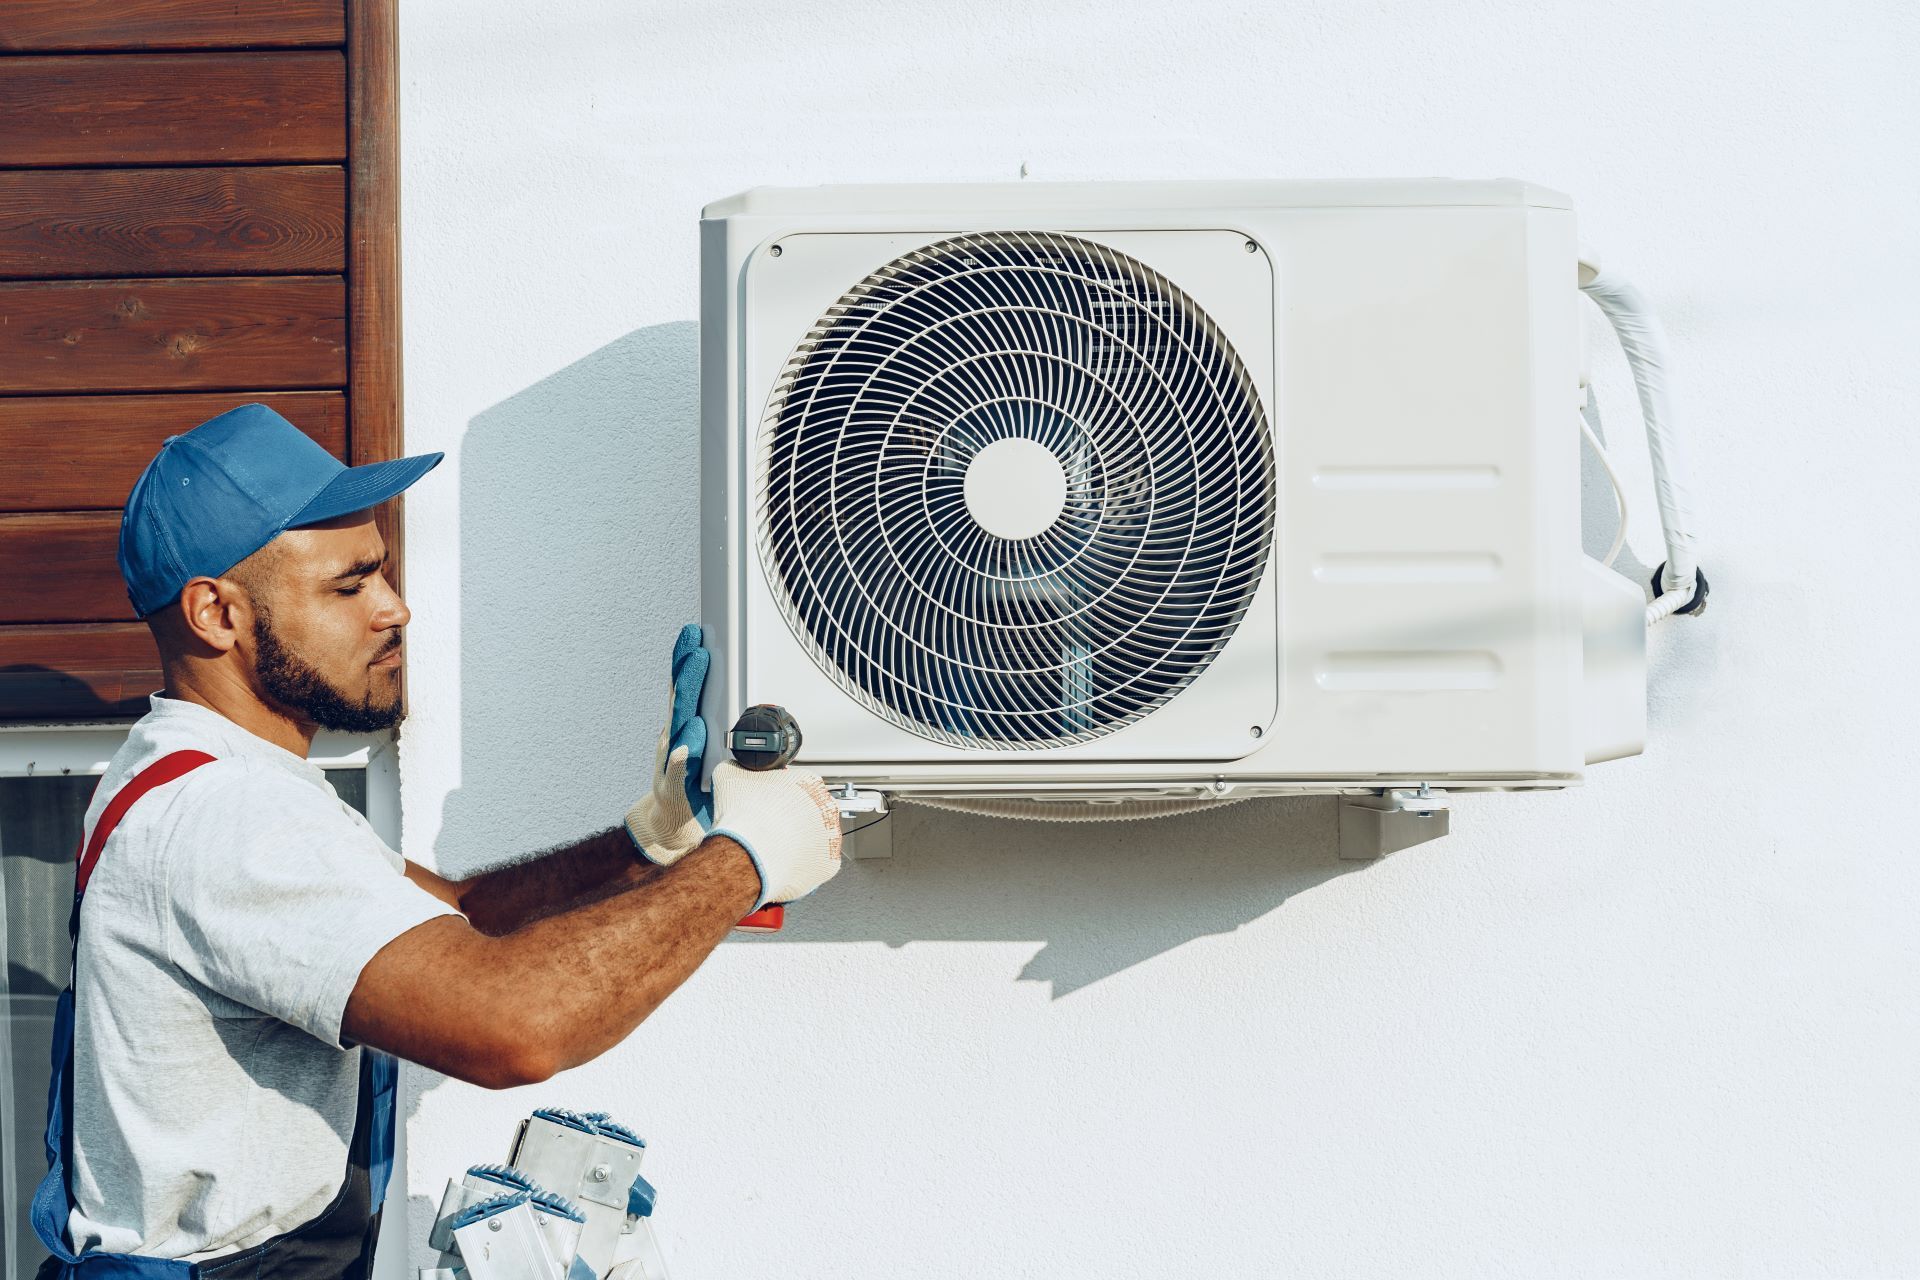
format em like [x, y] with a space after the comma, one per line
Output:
[1036, 497]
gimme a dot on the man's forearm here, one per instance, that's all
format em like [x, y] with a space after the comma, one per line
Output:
[511, 897]
[514, 1009]
[610, 964]
[563, 990]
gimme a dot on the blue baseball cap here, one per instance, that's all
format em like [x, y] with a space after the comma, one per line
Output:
[214, 496]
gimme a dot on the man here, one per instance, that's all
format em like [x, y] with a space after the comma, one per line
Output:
[242, 933]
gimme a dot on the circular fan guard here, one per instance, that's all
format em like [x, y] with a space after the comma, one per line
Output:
[897, 588]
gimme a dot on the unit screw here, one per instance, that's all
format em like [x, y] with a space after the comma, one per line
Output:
[493, 1224]
[1255, 731]
[601, 1173]
[1252, 247]
[774, 252]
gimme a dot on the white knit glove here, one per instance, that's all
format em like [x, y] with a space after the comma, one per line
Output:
[785, 820]
[662, 823]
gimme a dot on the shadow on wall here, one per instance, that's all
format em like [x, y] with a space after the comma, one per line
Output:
[579, 512]
[578, 500]
[1103, 896]
[31, 693]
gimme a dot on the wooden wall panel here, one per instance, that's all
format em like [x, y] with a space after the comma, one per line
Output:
[62, 567]
[57, 223]
[41, 25]
[153, 335]
[173, 108]
[101, 670]
[198, 207]
[75, 453]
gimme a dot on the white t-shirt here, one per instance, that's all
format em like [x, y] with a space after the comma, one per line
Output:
[223, 929]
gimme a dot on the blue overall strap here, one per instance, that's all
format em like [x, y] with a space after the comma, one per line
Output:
[51, 1203]
[384, 1076]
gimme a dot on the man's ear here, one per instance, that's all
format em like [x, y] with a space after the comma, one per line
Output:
[214, 612]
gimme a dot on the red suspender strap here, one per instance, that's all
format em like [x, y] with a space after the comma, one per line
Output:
[157, 774]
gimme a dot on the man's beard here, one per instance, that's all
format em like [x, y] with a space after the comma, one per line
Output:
[298, 687]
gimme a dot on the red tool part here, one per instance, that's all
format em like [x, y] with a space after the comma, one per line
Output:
[767, 919]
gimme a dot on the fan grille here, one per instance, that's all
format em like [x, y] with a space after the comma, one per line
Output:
[879, 549]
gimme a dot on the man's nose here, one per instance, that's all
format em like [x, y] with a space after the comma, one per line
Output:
[393, 611]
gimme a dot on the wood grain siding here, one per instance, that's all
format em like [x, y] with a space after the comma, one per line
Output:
[28, 26]
[148, 335]
[198, 208]
[173, 108]
[75, 453]
[57, 223]
[62, 567]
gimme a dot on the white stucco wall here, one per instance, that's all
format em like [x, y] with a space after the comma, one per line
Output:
[1663, 1025]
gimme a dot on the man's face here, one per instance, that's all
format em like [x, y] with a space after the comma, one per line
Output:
[326, 628]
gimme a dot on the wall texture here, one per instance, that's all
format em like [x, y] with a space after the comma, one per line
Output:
[1663, 1025]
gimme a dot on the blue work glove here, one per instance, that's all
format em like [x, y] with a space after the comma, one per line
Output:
[674, 815]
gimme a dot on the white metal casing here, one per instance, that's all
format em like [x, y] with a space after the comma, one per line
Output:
[1416, 346]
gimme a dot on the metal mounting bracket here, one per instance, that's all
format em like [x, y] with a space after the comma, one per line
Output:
[865, 832]
[1372, 827]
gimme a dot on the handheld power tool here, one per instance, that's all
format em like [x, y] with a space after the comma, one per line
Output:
[765, 736]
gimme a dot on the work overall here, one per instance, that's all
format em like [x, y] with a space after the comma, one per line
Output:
[336, 1245]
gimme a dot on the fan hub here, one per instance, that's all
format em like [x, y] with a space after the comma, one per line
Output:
[1016, 488]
